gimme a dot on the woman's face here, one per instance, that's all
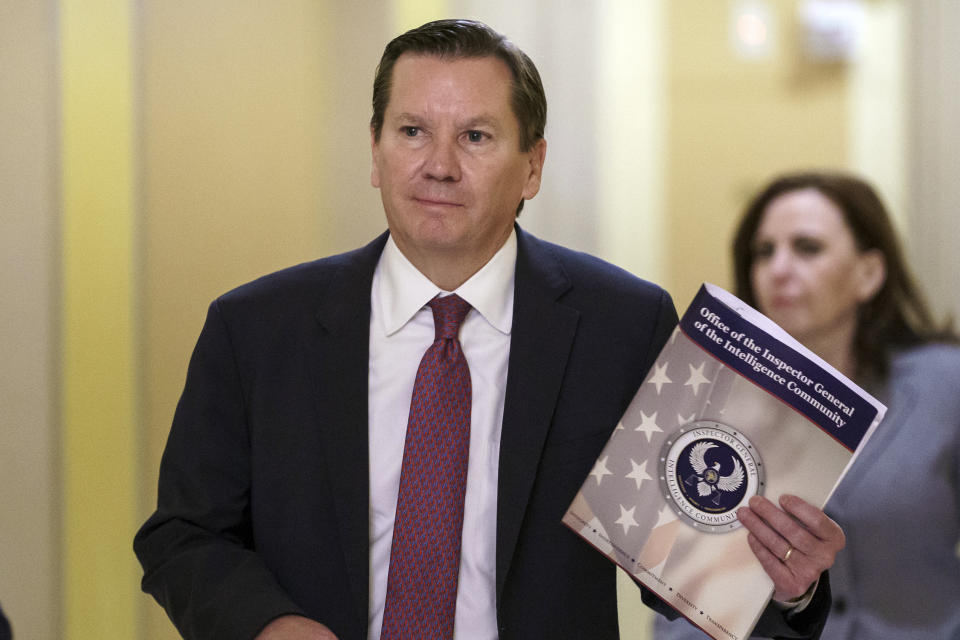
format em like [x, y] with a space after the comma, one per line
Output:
[807, 274]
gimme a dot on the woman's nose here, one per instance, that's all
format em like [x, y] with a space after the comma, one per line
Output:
[780, 262]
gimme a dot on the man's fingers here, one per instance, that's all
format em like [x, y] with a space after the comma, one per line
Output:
[794, 544]
[814, 520]
[776, 530]
[787, 583]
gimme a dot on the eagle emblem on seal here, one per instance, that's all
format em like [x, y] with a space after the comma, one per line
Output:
[707, 477]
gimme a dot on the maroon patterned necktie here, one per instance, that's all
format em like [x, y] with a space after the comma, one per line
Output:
[425, 555]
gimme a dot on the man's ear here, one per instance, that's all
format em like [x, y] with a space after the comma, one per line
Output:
[536, 156]
[374, 159]
[871, 273]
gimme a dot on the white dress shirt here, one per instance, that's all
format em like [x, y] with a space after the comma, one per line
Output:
[401, 330]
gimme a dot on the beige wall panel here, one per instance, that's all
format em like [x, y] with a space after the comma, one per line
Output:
[732, 124]
[255, 156]
[934, 165]
[29, 497]
[356, 34]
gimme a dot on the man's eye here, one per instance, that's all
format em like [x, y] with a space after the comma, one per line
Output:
[475, 136]
[411, 132]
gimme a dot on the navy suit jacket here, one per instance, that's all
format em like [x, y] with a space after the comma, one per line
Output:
[263, 494]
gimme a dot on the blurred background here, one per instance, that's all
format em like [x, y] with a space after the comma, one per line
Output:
[156, 153]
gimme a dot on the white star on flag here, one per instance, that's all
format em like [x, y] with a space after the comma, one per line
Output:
[600, 469]
[639, 473]
[696, 377]
[659, 377]
[626, 518]
[682, 421]
[648, 424]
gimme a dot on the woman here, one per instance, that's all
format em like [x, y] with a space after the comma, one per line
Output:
[817, 253]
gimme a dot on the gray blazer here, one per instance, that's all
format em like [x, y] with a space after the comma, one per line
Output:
[899, 505]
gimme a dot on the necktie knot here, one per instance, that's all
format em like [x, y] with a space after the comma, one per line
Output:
[448, 314]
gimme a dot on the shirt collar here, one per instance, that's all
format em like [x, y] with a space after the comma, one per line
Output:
[402, 290]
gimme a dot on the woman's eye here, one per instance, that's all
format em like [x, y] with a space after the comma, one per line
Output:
[808, 246]
[762, 251]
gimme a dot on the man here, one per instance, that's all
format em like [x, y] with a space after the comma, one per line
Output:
[285, 487]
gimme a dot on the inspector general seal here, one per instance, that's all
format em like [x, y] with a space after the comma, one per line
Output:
[708, 471]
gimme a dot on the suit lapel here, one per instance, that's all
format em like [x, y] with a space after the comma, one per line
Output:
[340, 394]
[542, 335]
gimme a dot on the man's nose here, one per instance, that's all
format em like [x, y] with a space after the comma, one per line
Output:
[443, 161]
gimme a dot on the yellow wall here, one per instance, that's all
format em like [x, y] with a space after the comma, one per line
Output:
[733, 123]
[100, 449]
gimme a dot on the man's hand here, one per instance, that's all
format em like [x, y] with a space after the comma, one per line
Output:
[295, 628]
[794, 545]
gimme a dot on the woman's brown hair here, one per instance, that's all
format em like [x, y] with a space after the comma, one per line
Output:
[897, 316]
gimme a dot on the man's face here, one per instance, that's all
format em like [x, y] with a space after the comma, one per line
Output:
[448, 163]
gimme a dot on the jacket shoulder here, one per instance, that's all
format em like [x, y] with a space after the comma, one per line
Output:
[935, 359]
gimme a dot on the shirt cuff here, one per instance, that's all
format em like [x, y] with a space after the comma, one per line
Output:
[798, 604]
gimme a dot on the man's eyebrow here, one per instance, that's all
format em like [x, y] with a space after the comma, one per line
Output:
[407, 117]
[482, 121]
[477, 122]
